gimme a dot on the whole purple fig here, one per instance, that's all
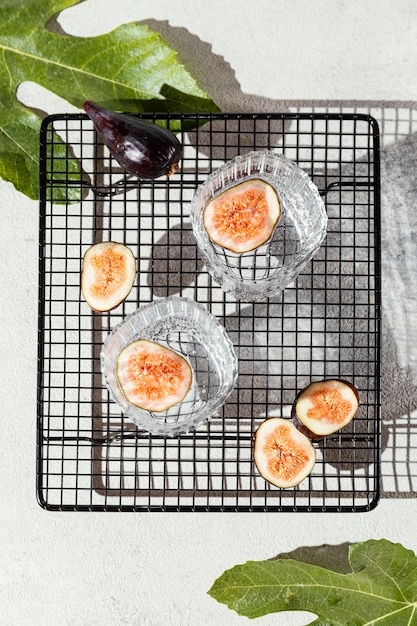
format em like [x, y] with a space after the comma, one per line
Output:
[141, 147]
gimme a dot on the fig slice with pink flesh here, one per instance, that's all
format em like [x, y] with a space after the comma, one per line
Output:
[325, 407]
[107, 275]
[283, 455]
[153, 377]
[243, 217]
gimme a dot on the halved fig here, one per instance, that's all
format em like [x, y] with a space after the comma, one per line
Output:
[244, 216]
[325, 407]
[107, 275]
[283, 455]
[153, 377]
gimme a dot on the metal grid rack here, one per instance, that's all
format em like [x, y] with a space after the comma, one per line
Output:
[89, 457]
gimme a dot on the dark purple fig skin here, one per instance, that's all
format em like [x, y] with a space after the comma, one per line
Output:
[302, 427]
[142, 148]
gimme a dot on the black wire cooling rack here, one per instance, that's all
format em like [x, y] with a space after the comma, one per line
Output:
[89, 457]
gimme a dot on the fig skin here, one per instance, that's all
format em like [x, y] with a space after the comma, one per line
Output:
[317, 429]
[283, 455]
[142, 148]
[107, 275]
[243, 217]
[153, 377]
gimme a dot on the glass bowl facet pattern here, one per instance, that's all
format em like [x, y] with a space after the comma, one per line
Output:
[191, 330]
[299, 233]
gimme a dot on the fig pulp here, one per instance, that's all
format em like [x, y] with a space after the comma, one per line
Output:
[153, 377]
[244, 216]
[283, 455]
[141, 147]
[325, 407]
[107, 275]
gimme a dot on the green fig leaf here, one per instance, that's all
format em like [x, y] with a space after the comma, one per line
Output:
[129, 69]
[380, 590]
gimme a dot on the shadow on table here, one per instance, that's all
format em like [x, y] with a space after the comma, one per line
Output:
[332, 557]
[398, 162]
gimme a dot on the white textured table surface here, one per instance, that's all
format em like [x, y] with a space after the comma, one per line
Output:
[155, 569]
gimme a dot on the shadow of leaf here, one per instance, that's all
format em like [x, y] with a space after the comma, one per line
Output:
[332, 557]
